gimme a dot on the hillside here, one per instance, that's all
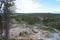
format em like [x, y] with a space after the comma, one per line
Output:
[31, 27]
[37, 14]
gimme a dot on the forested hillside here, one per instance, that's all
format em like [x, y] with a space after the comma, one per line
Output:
[47, 19]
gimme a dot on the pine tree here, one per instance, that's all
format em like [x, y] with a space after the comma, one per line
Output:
[6, 12]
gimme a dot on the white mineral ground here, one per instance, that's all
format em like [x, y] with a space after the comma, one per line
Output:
[41, 34]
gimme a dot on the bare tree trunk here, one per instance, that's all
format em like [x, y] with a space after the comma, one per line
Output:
[1, 26]
[6, 26]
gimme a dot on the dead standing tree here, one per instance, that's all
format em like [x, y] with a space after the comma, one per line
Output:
[1, 26]
[6, 18]
[6, 11]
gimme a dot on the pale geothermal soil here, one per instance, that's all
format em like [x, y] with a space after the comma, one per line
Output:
[35, 33]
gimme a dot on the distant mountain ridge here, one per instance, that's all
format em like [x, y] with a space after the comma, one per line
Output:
[37, 14]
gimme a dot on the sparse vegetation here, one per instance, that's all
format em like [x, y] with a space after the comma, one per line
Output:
[49, 20]
[23, 33]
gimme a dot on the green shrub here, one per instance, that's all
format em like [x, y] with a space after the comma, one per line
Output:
[23, 33]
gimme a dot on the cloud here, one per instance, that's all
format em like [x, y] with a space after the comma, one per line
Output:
[27, 6]
[56, 10]
[31, 6]
[57, 0]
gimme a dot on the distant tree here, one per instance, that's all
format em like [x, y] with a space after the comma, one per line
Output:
[49, 20]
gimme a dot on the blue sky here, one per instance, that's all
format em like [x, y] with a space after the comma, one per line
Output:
[37, 6]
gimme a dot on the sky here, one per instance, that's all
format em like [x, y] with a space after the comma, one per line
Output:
[37, 6]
